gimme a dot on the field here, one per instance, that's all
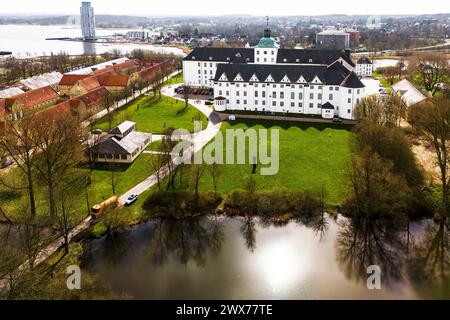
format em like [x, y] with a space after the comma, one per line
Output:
[310, 157]
[178, 79]
[154, 115]
[151, 113]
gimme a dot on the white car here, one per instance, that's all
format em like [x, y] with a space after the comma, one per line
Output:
[131, 199]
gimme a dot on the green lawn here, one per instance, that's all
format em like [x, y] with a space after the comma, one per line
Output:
[125, 177]
[311, 156]
[154, 115]
[175, 80]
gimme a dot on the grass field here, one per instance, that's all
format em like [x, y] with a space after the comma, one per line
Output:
[154, 115]
[174, 80]
[125, 177]
[150, 117]
[311, 157]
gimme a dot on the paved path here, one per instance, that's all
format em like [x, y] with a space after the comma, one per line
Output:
[47, 252]
[224, 116]
[199, 140]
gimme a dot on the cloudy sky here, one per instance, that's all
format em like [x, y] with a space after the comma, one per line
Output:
[219, 7]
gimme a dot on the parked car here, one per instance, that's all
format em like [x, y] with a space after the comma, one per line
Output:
[336, 119]
[97, 131]
[131, 199]
[209, 103]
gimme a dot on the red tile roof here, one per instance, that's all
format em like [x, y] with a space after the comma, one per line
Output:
[90, 83]
[127, 65]
[32, 98]
[72, 79]
[108, 70]
[113, 81]
[94, 97]
[56, 111]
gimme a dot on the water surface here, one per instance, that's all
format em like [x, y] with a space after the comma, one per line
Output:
[224, 258]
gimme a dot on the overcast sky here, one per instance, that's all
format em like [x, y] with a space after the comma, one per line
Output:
[220, 7]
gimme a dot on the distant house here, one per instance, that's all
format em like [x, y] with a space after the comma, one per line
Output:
[408, 92]
[10, 92]
[85, 105]
[364, 67]
[113, 83]
[123, 145]
[68, 81]
[333, 39]
[38, 99]
[43, 80]
[149, 73]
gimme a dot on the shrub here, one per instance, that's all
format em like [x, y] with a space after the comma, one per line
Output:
[181, 203]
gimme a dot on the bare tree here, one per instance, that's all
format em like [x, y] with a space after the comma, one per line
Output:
[58, 141]
[186, 94]
[20, 144]
[197, 173]
[431, 120]
[432, 68]
[216, 174]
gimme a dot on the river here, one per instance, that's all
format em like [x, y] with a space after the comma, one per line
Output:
[237, 258]
[29, 40]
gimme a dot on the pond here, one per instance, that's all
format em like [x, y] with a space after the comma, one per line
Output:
[248, 258]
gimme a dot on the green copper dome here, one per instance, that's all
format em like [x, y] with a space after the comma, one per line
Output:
[267, 41]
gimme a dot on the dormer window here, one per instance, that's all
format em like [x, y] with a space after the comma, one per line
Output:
[228, 59]
[297, 60]
[284, 60]
[193, 57]
[310, 60]
[210, 58]
[238, 55]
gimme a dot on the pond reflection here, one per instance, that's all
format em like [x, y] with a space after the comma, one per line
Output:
[250, 258]
[363, 242]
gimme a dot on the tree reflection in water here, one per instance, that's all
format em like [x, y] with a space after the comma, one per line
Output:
[114, 247]
[186, 240]
[429, 265]
[248, 230]
[362, 242]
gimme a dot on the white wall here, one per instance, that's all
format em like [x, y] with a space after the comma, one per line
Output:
[290, 98]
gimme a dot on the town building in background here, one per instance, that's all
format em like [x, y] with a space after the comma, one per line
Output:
[87, 21]
[333, 39]
[364, 67]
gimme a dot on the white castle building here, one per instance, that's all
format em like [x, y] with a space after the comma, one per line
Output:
[269, 79]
